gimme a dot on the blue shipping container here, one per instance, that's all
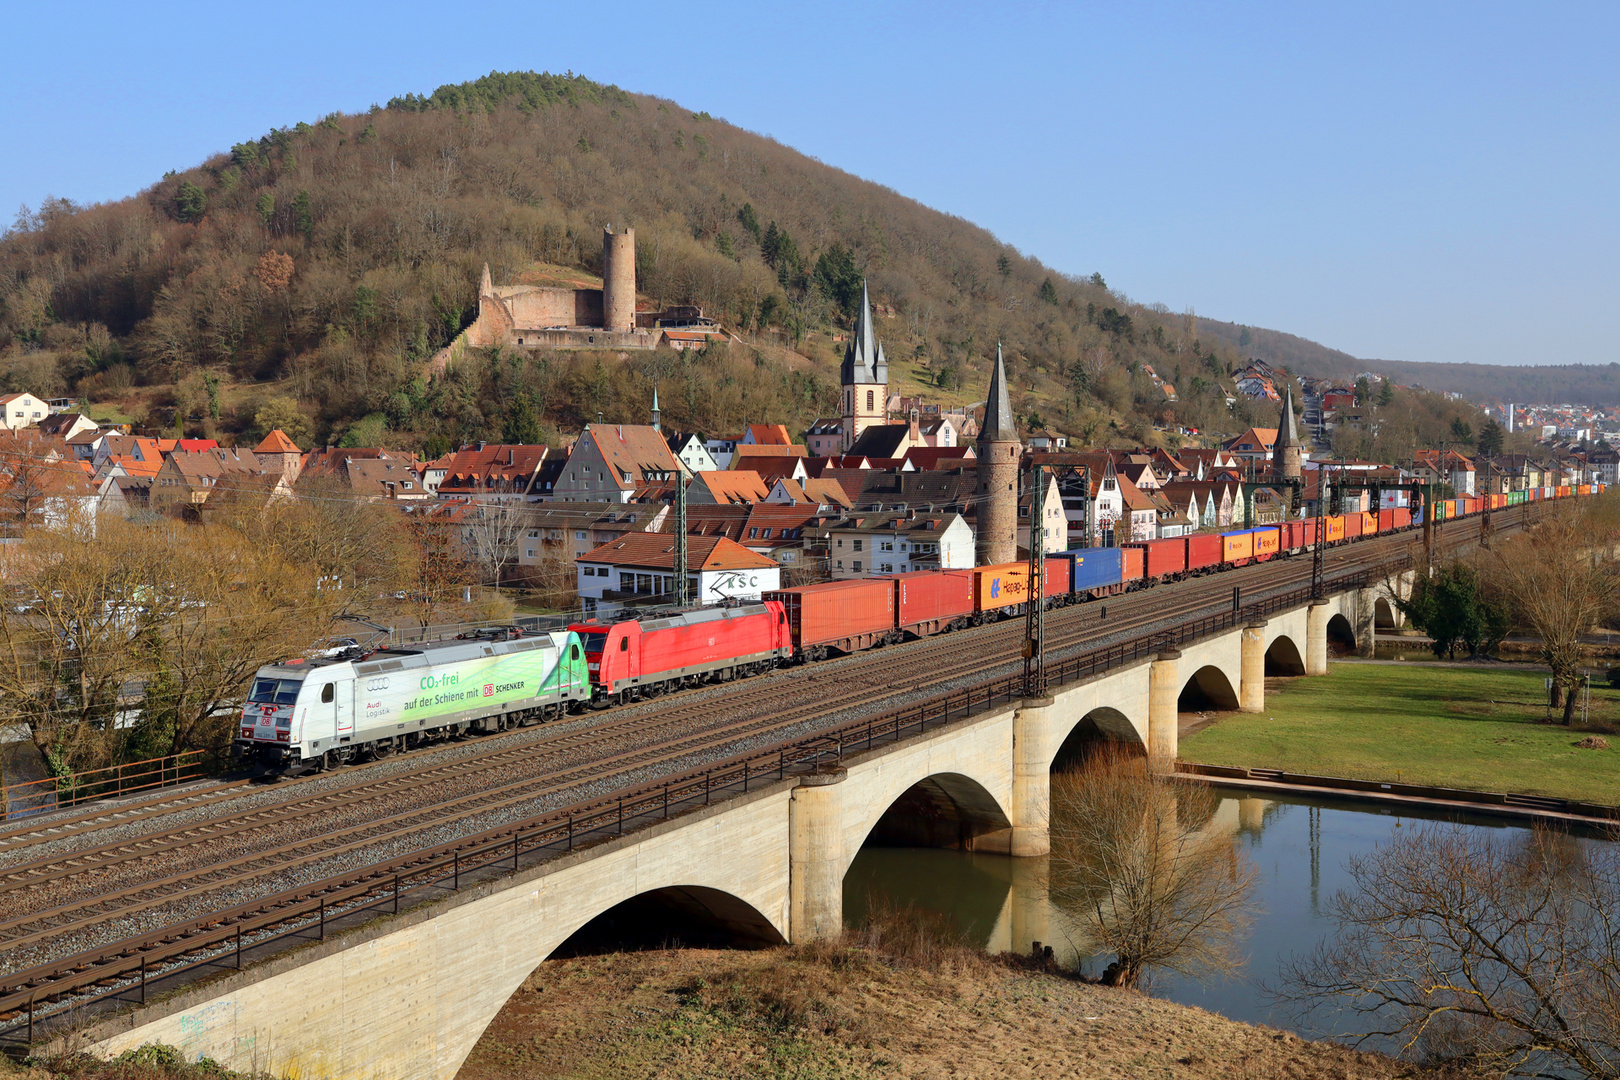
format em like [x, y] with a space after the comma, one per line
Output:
[1094, 568]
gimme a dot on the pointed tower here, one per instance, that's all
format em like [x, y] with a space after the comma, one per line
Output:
[865, 376]
[486, 287]
[657, 424]
[1287, 455]
[998, 449]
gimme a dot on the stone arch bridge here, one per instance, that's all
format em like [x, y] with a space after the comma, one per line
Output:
[408, 996]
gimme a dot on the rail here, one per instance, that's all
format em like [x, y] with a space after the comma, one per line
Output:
[130, 965]
[57, 792]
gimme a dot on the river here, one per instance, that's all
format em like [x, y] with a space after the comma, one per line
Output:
[1299, 847]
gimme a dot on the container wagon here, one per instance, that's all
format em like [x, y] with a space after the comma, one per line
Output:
[842, 615]
[312, 714]
[1097, 572]
[1237, 548]
[1163, 560]
[1295, 536]
[932, 601]
[645, 657]
[1203, 552]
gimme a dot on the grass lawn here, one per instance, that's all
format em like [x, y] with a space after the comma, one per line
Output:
[1423, 724]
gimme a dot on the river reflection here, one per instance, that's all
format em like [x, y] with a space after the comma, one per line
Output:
[1299, 847]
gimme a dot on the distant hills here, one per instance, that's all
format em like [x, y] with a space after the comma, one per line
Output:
[1581, 384]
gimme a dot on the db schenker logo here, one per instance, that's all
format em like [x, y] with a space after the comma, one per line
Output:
[489, 689]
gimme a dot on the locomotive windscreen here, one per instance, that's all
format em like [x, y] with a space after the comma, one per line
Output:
[595, 642]
[275, 691]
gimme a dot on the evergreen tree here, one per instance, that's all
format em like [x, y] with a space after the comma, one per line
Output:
[1452, 608]
[1462, 430]
[304, 216]
[1049, 291]
[190, 202]
[1363, 392]
[749, 220]
[1386, 393]
[839, 279]
[266, 207]
[1491, 437]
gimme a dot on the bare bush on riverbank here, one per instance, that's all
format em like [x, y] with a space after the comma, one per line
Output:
[1152, 879]
[1498, 952]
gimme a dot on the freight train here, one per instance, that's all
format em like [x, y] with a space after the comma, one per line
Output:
[304, 713]
[314, 713]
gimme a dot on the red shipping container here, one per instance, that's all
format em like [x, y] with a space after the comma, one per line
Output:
[1295, 535]
[1132, 560]
[1352, 525]
[1056, 580]
[932, 596]
[1386, 520]
[1403, 516]
[1203, 550]
[1162, 557]
[819, 614]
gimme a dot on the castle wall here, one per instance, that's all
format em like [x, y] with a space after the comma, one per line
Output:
[536, 309]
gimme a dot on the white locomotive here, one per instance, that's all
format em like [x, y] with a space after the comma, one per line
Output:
[314, 713]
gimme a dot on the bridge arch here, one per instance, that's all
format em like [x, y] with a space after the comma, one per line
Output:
[1340, 634]
[1384, 614]
[1283, 657]
[1208, 688]
[945, 809]
[1102, 725]
[671, 917]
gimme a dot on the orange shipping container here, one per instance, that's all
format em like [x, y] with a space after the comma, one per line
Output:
[1000, 586]
[1236, 546]
[1335, 528]
[1132, 561]
[1369, 523]
[1267, 542]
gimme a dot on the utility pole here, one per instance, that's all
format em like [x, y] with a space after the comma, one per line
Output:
[1035, 609]
[1485, 516]
[683, 592]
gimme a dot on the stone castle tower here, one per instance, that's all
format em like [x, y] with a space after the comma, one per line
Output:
[1287, 455]
[618, 279]
[865, 376]
[996, 506]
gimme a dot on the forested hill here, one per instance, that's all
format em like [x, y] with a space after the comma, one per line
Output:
[1300, 356]
[307, 274]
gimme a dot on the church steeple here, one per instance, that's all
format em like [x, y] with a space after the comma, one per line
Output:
[865, 376]
[996, 498]
[657, 425]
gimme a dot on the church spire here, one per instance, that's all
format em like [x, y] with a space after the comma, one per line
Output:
[1287, 455]
[1287, 429]
[656, 418]
[998, 413]
[864, 362]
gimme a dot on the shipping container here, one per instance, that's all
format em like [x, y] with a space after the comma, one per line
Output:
[1132, 560]
[1057, 577]
[1369, 523]
[1563, 492]
[1267, 541]
[1352, 524]
[839, 614]
[928, 601]
[1386, 520]
[1097, 571]
[1403, 516]
[999, 586]
[1296, 535]
[1334, 528]
[1237, 547]
[1162, 558]
[1203, 551]
[1583, 489]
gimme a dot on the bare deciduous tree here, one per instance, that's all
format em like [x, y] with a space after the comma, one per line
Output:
[1495, 951]
[1561, 580]
[1134, 859]
[493, 531]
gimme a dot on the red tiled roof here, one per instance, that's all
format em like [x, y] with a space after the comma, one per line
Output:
[656, 551]
[276, 442]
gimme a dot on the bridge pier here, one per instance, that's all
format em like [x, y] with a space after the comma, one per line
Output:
[816, 858]
[1316, 623]
[1366, 625]
[1164, 689]
[1031, 803]
[1252, 677]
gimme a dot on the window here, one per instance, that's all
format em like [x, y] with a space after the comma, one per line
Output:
[574, 651]
[857, 566]
[887, 545]
[328, 693]
[858, 544]
[530, 553]
[765, 534]
[888, 568]
[624, 644]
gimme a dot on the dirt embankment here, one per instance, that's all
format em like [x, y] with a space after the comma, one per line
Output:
[837, 1012]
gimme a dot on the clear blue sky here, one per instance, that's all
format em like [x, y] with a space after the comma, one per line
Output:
[1400, 180]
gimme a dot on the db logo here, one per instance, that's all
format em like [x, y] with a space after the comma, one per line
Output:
[489, 689]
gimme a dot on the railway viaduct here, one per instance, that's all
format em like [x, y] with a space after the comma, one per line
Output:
[407, 996]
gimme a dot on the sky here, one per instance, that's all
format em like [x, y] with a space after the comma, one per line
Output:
[1403, 181]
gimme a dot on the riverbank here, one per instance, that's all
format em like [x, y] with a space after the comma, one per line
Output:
[841, 1012]
[1481, 728]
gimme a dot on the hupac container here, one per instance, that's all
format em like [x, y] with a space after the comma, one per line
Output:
[1267, 541]
[828, 613]
[1333, 528]
[1369, 523]
[933, 596]
[1237, 547]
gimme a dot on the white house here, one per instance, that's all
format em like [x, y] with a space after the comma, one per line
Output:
[897, 542]
[638, 568]
[22, 410]
[1055, 534]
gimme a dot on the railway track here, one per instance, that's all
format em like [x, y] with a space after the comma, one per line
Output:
[674, 739]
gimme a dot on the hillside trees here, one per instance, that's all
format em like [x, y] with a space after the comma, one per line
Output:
[341, 255]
